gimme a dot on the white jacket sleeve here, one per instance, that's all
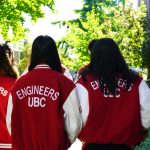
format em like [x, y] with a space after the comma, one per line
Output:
[8, 114]
[144, 93]
[72, 115]
[67, 74]
[84, 101]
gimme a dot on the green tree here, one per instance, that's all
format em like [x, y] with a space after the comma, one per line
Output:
[120, 22]
[25, 57]
[146, 47]
[12, 15]
[98, 5]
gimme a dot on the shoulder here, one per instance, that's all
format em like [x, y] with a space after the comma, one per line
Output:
[83, 68]
[63, 68]
[65, 79]
[20, 80]
[138, 79]
[8, 79]
[89, 78]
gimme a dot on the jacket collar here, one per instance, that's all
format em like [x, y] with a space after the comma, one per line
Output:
[45, 66]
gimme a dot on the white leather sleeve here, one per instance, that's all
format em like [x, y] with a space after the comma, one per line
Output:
[84, 101]
[8, 114]
[72, 115]
[144, 93]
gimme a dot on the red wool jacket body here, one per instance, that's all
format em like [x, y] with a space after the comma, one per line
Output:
[6, 84]
[45, 113]
[109, 119]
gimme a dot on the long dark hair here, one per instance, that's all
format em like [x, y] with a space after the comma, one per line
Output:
[7, 61]
[44, 50]
[91, 43]
[107, 64]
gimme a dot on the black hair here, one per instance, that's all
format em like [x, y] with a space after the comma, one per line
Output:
[7, 61]
[91, 43]
[44, 50]
[107, 64]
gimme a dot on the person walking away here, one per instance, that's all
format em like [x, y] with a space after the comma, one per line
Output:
[44, 103]
[8, 76]
[115, 101]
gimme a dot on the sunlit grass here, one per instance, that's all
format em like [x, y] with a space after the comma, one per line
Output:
[144, 145]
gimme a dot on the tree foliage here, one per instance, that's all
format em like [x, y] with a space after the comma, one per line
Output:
[12, 15]
[146, 47]
[120, 22]
[25, 57]
[98, 5]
